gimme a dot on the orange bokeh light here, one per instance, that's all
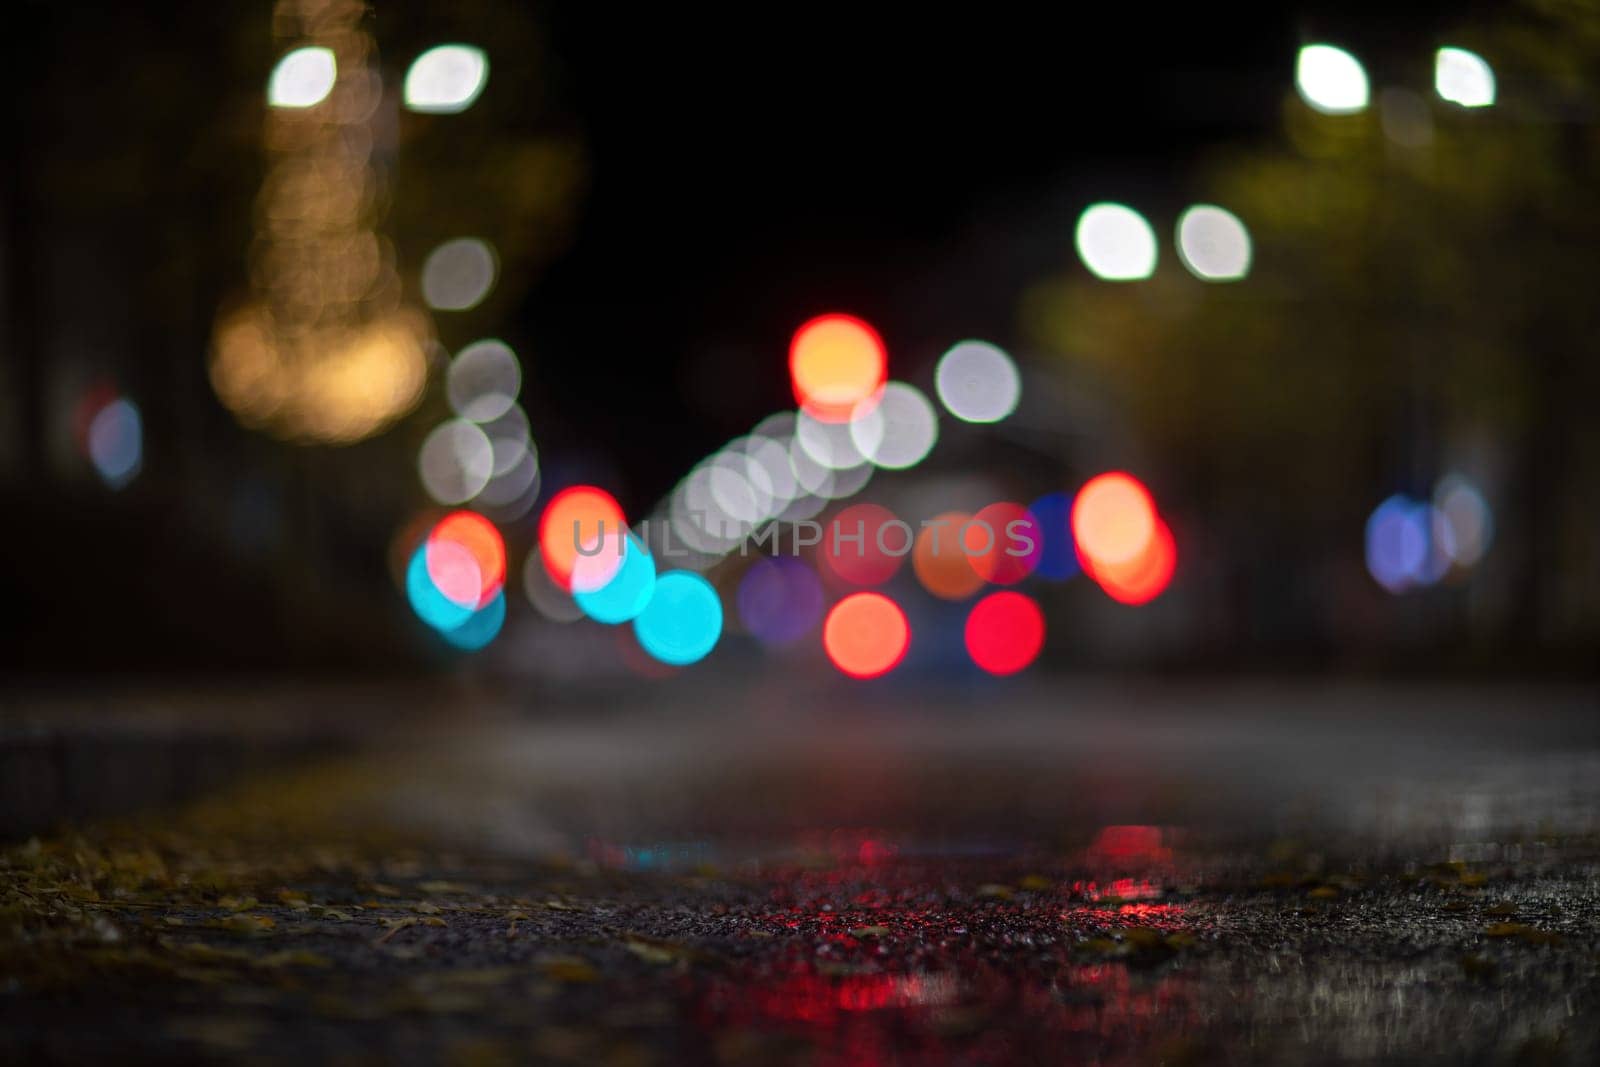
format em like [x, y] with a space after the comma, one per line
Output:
[835, 362]
[1143, 578]
[476, 535]
[939, 562]
[581, 514]
[866, 635]
[1113, 519]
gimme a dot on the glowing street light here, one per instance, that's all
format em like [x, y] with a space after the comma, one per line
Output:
[1213, 244]
[1116, 243]
[447, 79]
[302, 78]
[1463, 77]
[1331, 80]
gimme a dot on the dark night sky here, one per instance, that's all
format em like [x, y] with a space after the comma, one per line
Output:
[749, 172]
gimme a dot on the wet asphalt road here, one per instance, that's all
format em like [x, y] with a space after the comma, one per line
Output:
[1111, 873]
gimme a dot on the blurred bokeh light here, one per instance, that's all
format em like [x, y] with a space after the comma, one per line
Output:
[865, 544]
[1331, 80]
[683, 620]
[303, 78]
[618, 592]
[483, 380]
[323, 349]
[897, 430]
[977, 382]
[1058, 556]
[866, 635]
[836, 362]
[477, 536]
[1213, 243]
[446, 79]
[1470, 520]
[1113, 518]
[1116, 243]
[1002, 543]
[1463, 78]
[575, 522]
[456, 461]
[1142, 578]
[780, 600]
[940, 559]
[115, 442]
[1004, 632]
[458, 274]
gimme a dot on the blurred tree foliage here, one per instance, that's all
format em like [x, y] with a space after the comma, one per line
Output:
[1424, 280]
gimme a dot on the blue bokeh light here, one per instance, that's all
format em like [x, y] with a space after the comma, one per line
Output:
[116, 442]
[1398, 539]
[1058, 557]
[683, 620]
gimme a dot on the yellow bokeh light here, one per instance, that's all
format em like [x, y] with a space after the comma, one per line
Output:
[323, 349]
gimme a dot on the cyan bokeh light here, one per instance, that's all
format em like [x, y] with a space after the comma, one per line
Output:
[683, 620]
[431, 605]
[628, 592]
[481, 627]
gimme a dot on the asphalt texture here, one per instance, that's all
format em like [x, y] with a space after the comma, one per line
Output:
[1109, 874]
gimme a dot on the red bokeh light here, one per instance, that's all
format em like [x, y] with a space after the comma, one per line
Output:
[835, 362]
[872, 560]
[866, 635]
[992, 537]
[1004, 632]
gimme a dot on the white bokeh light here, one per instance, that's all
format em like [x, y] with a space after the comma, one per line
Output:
[1116, 243]
[303, 78]
[510, 493]
[1467, 512]
[1331, 80]
[698, 519]
[977, 382]
[458, 274]
[1463, 78]
[116, 442]
[1213, 243]
[447, 79]
[740, 486]
[771, 455]
[510, 437]
[825, 483]
[829, 443]
[456, 462]
[897, 430]
[483, 380]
